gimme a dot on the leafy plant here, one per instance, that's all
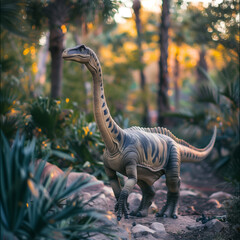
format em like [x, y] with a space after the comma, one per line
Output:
[45, 114]
[9, 119]
[232, 207]
[86, 144]
[34, 210]
[217, 103]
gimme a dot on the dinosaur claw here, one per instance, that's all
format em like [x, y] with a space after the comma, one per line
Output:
[132, 213]
[165, 215]
[174, 216]
[139, 214]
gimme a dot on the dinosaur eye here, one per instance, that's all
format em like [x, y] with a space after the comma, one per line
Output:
[82, 48]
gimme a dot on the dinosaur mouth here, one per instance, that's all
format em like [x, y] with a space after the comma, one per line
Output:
[79, 53]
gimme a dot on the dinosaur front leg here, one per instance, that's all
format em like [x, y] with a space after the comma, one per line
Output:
[173, 185]
[147, 196]
[122, 206]
[114, 181]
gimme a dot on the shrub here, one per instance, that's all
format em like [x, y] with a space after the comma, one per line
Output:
[33, 210]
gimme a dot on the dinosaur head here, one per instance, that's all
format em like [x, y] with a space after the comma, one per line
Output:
[82, 55]
[78, 54]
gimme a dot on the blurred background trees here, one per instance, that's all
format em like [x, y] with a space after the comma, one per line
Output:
[169, 62]
[174, 63]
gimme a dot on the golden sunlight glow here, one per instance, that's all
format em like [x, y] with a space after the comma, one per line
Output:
[26, 51]
[34, 67]
[32, 187]
[64, 29]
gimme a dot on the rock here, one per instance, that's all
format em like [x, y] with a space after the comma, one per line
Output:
[185, 193]
[194, 227]
[215, 225]
[86, 196]
[134, 200]
[158, 184]
[153, 208]
[74, 176]
[108, 191]
[49, 170]
[158, 227]
[179, 225]
[220, 195]
[214, 202]
[161, 192]
[141, 230]
[183, 186]
[101, 203]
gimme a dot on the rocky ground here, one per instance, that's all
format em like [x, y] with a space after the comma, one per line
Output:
[201, 193]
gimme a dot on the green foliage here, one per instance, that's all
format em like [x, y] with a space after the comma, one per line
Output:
[31, 209]
[9, 125]
[217, 103]
[232, 207]
[7, 98]
[85, 142]
[45, 114]
[15, 172]
[10, 119]
[65, 135]
[11, 17]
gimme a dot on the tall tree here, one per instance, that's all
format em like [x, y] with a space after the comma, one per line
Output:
[58, 13]
[163, 101]
[137, 7]
[202, 67]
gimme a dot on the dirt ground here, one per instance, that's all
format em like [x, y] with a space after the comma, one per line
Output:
[199, 179]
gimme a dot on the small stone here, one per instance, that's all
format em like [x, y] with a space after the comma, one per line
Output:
[215, 225]
[195, 227]
[108, 191]
[220, 195]
[215, 202]
[49, 170]
[134, 200]
[74, 176]
[141, 230]
[134, 224]
[153, 208]
[184, 193]
[158, 227]
[161, 192]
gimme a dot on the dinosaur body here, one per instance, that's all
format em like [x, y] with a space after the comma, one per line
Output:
[141, 154]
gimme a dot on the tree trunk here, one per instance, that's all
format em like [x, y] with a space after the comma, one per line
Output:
[56, 49]
[176, 85]
[136, 7]
[57, 13]
[202, 67]
[163, 101]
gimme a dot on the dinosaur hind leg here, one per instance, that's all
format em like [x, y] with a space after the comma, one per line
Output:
[173, 185]
[147, 196]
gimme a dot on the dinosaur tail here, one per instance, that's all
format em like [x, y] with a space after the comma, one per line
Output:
[197, 155]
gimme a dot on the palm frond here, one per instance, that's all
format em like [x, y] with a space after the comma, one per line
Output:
[11, 16]
[231, 92]
[206, 94]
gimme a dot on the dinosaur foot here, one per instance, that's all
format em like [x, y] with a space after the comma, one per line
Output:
[121, 207]
[140, 213]
[170, 208]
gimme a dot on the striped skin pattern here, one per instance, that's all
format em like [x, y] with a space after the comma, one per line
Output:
[141, 154]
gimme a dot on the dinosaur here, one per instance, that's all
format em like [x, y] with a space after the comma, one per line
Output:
[141, 154]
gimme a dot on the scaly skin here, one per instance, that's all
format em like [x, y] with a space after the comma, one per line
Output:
[141, 154]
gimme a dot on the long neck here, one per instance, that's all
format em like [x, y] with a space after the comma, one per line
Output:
[111, 133]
